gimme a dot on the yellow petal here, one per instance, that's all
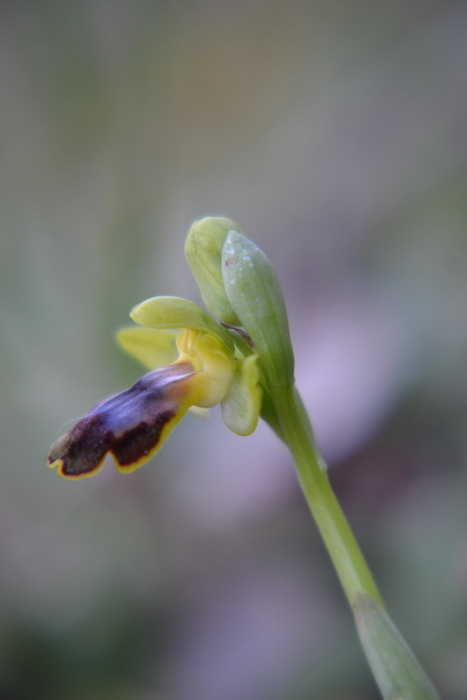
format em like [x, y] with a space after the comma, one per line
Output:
[153, 348]
[215, 365]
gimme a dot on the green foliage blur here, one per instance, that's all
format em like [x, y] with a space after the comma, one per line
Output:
[336, 135]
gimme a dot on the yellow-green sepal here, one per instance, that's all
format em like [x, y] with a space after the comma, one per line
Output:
[254, 292]
[175, 312]
[152, 347]
[203, 251]
[242, 405]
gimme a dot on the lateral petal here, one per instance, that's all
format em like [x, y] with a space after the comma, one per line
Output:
[152, 347]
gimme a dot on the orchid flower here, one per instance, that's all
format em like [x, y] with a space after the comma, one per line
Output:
[205, 368]
[245, 363]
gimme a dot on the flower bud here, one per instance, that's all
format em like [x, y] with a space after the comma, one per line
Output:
[203, 251]
[253, 290]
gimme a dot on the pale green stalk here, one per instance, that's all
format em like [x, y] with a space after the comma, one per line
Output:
[395, 668]
[345, 553]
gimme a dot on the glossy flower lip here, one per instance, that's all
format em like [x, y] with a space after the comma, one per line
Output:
[131, 426]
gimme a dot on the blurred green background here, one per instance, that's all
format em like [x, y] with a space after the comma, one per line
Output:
[335, 133]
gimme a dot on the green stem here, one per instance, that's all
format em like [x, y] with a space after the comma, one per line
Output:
[396, 670]
[345, 553]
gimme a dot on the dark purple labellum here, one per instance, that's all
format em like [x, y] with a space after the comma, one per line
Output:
[131, 425]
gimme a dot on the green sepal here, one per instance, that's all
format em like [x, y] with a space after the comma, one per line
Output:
[203, 251]
[175, 312]
[395, 668]
[254, 292]
[152, 347]
[241, 407]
